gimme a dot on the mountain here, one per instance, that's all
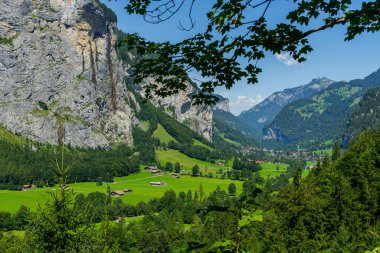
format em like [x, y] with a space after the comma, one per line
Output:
[223, 104]
[60, 70]
[365, 115]
[179, 105]
[321, 119]
[263, 113]
[230, 127]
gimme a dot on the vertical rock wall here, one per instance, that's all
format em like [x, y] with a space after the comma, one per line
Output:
[59, 62]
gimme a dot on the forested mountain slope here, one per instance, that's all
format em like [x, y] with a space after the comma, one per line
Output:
[263, 113]
[317, 121]
[365, 115]
[232, 128]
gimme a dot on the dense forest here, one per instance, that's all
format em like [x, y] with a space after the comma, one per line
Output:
[334, 209]
[364, 115]
[33, 163]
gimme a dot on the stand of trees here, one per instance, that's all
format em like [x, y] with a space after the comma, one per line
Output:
[32, 163]
[335, 208]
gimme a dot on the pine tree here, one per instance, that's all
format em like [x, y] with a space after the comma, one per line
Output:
[201, 192]
[335, 151]
[59, 226]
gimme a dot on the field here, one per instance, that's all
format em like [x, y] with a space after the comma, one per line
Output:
[161, 134]
[139, 183]
[144, 125]
[198, 143]
[270, 169]
[11, 138]
[230, 141]
[323, 152]
[174, 156]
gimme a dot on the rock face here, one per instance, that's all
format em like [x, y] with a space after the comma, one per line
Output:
[274, 133]
[59, 68]
[180, 107]
[223, 104]
[263, 113]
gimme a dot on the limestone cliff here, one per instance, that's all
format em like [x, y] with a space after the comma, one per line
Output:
[223, 104]
[179, 106]
[58, 67]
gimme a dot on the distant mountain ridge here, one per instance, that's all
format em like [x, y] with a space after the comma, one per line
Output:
[321, 119]
[263, 113]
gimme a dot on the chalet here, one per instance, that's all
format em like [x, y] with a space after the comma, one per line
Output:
[26, 187]
[158, 183]
[150, 168]
[117, 193]
[153, 169]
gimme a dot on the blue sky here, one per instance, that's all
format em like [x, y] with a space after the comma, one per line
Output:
[332, 57]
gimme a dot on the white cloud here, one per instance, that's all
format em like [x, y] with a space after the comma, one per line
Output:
[242, 102]
[286, 58]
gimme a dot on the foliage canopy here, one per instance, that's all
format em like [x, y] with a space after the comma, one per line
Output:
[237, 36]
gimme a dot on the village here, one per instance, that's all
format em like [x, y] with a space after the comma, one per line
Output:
[293, 155]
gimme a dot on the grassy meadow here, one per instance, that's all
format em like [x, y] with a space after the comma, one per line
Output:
[161, 134]
[142, 191]
[270, 170]
[173, 156]
[139, 183]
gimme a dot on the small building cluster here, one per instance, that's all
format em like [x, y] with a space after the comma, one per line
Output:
[153, 170]
[300, 154]
[121, 192]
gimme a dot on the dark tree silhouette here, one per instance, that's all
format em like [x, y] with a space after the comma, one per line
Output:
[236, 38]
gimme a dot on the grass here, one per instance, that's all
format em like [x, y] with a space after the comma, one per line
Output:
[162, 135]
[270, 170]
[139, 183]
[327, 151]
[10, 137]
[7, 41]
[144, 125]
[188, 163]
[198, 143]
[230, 141]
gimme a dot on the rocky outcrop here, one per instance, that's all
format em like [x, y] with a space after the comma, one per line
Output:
[223, 104]
[179, 106]
[274, 133]
[59, 67]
